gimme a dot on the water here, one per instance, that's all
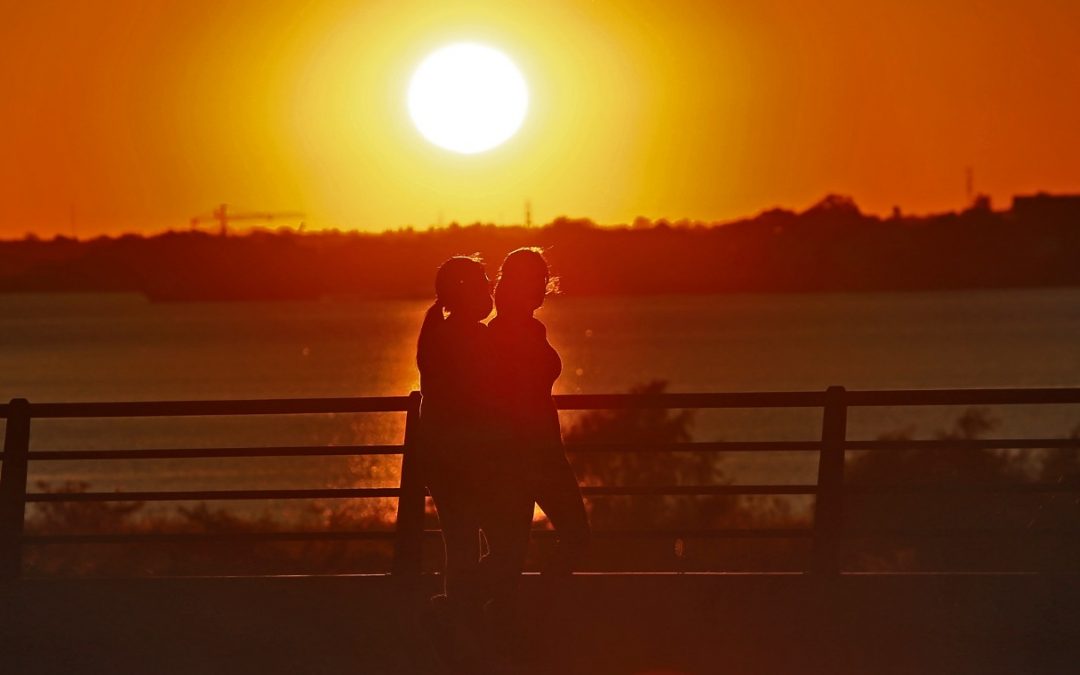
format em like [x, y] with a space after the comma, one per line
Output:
[121, 347]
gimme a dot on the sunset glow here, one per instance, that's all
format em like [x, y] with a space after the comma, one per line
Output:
[134, 116]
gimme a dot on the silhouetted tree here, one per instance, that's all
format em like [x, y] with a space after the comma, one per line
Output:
[642, 427]
[830, 246]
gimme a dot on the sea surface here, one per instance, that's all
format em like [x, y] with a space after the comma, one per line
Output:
[123, 348]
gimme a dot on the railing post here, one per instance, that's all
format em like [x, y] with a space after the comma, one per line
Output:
[409, 547]
[829, 504]
[13, 488]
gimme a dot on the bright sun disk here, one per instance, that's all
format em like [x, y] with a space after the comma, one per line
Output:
[467, 98]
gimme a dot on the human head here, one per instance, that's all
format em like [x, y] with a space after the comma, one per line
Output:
[463, 289]
[524, 280]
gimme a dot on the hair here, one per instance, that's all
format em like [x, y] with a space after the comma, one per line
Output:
[529, 260]
[525, 264]
[449, 280]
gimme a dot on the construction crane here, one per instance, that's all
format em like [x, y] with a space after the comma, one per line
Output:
[223, 217]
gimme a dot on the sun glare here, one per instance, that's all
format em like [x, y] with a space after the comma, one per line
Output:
[468, 98]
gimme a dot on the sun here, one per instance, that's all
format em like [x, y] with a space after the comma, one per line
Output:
[468, 98]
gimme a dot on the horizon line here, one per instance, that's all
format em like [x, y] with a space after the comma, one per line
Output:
[304, 227]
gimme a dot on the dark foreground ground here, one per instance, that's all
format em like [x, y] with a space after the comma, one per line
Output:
[618, 624]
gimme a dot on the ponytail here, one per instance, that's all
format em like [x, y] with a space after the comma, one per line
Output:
[432, 320]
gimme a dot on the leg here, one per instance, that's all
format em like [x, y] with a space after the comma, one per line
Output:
[461, 542]
[507, 523]
[558, 494]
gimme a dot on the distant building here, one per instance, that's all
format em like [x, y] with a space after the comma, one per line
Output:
[981, 204]
[1047, 207]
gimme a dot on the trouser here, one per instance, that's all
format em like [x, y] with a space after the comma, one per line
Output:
[547, 479]
[459, 504]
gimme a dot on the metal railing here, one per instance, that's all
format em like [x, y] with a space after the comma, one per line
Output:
[827, 530]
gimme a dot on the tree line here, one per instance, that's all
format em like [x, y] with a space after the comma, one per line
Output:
[832, 246]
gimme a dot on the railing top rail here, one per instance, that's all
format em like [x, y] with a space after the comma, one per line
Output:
[813, 399]
[278, 406]
[762, 399]
[753, 399]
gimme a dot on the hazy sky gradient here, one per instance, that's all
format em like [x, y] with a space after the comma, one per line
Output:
[134, 115]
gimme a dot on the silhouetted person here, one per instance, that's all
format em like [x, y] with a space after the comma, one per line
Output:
[454, 357]
[532, 466]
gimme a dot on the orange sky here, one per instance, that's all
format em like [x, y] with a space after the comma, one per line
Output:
[134, 115]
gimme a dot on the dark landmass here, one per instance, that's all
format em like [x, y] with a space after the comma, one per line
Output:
[832, 246]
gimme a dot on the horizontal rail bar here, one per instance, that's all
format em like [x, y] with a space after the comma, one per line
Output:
[280, 406]
[692, 490]
[966, 444]
[718, 533]
[666, 533]
[962, 396]
[963, 488]
[211, 495]
[340, 493]
[186, 537]
[762, 399]
[870, 533]
[659, 533]
[388, 535]
[714, 446]
[209, 453]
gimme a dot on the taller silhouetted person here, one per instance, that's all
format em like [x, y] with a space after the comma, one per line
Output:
[533, 465]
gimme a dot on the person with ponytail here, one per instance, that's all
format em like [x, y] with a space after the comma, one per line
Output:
[453, 356]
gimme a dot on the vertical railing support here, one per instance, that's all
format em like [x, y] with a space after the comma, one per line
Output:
[13, 488]
[409, 547]
[829, 505]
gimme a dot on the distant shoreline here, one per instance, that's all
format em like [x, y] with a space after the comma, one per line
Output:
[831, 247]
